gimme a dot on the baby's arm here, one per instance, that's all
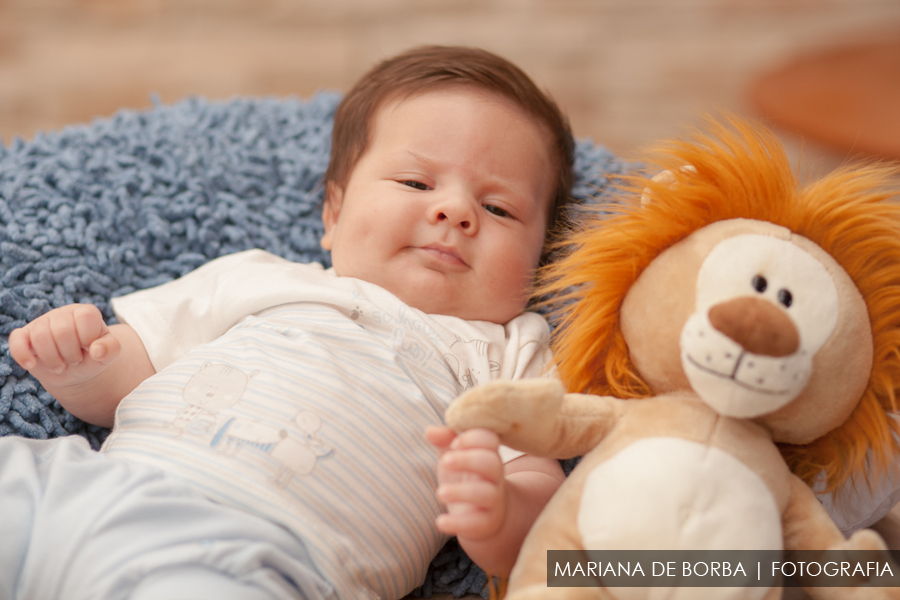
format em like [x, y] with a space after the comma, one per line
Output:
[490, 506]
[81, 362]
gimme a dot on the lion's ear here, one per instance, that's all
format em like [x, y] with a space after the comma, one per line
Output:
[666, 177]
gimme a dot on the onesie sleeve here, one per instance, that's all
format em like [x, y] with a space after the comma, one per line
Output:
[527, 348]
[527, 356]
[199, 307]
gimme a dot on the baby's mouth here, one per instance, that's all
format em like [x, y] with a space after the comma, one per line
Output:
[445, 254]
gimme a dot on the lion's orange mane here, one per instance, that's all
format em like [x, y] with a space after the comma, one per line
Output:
[741, 172]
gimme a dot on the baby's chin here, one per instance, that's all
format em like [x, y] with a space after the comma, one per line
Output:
[436, 294]
[464, 306]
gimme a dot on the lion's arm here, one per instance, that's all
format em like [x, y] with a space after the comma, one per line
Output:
[807, 526]
[536, 416]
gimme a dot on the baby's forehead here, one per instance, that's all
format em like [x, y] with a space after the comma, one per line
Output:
[379, 121]
[491, 97]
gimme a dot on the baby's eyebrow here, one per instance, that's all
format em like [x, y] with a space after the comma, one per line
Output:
[421, 158]
[496, 183]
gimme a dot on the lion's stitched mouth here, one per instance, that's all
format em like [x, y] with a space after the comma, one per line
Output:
[732, 376]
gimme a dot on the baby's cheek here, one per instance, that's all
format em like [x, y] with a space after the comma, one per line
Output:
[510, 290]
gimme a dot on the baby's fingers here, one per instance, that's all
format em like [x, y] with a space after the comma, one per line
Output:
[472, 524]
[72, 331]
[105, 350]
[88, 323]
[482, 463]
[477, 494]
[43, 347]
[477, 438]
[440, 437]
[20, 348]
[94, 334]
[61, 338]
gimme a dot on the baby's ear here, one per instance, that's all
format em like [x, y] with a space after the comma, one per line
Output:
[334, 197]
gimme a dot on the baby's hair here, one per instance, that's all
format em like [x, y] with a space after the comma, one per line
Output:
[426, 68]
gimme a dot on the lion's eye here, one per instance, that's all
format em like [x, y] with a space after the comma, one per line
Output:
[785, 297]
[759, 283]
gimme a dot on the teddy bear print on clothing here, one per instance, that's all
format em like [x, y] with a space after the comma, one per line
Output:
[216, 387]
[298, 456]
[213, 387]
[295, 455]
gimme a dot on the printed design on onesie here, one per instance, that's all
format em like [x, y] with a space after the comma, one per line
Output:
[407, 334]
[296, 455]
[411, 348]
[356, 313]
[212, 388]
[468, 373]
[216, 387]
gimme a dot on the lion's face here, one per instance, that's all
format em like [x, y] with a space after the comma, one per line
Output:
[758, 322]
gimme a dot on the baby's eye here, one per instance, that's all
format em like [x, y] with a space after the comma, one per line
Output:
[416, 184]
[496, 210]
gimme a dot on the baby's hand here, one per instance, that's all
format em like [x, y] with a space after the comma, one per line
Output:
[470, 482]
[65, 346]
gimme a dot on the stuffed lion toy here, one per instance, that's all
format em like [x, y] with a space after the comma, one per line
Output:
[724, 343]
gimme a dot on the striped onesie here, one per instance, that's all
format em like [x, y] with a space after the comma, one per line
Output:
[302, 397]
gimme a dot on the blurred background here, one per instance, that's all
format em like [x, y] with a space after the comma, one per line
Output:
[628, 72]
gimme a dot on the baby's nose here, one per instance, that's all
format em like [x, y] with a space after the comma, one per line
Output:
[465, 224]
[458, 210]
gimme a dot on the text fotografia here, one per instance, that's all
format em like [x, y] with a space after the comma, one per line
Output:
[730, 568]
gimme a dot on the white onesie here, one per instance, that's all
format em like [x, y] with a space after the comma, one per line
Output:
[301, 396]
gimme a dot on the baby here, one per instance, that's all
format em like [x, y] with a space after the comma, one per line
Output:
[268, 416]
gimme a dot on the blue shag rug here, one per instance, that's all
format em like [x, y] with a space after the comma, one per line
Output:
[138, 199]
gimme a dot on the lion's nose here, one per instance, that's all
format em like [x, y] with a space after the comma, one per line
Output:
[758, 326]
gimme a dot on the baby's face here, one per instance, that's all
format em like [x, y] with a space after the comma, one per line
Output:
[447, 208]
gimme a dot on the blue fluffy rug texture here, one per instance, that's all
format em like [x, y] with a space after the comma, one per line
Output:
[129, 202]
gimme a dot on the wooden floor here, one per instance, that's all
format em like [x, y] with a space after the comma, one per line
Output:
[627, 71]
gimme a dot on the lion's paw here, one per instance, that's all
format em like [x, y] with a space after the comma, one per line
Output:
[504, 406]
[864, 539]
